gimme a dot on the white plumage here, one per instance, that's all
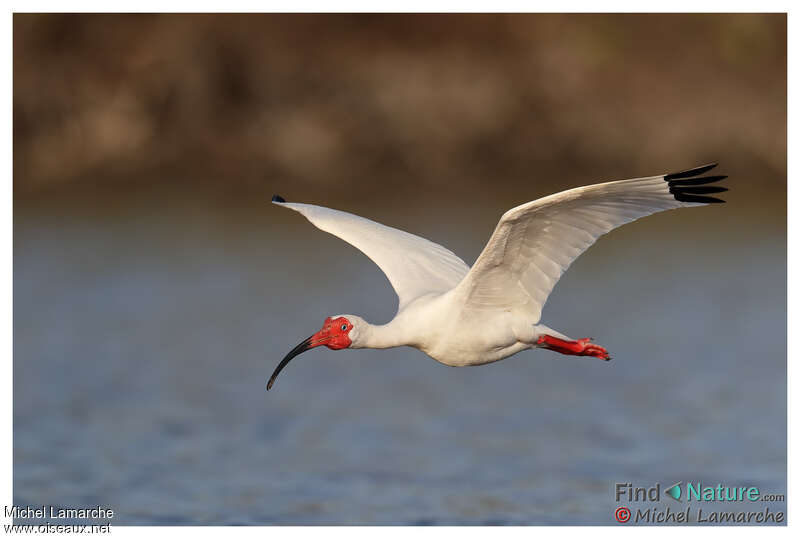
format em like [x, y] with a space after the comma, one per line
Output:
[415, 266]
[462, 316]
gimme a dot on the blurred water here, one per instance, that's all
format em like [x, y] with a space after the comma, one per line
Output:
[145, 331]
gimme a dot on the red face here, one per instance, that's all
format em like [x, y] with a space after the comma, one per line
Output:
[333, 334]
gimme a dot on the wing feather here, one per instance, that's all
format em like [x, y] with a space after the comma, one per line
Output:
[414, 266]
[533, 244]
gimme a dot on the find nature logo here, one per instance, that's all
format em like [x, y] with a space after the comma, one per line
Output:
[623, 514]
[674, 491]
[694, 492]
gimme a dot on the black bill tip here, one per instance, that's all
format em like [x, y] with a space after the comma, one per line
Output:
[277, 198]
[297, 350]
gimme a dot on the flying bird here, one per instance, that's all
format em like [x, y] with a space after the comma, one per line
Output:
[463, 316]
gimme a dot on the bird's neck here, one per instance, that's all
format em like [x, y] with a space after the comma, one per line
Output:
[385, 336]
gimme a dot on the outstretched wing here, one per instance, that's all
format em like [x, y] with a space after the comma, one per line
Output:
[414, 266]
[536, 242]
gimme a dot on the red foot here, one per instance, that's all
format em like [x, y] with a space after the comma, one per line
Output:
[581, 347]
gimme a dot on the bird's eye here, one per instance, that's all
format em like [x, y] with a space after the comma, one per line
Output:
[344, 327]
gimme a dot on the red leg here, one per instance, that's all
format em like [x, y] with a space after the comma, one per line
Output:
[581, 347]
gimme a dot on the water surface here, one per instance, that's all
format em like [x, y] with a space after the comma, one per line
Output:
[144, 333]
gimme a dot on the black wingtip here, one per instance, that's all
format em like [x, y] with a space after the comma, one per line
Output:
[682, 197]
[696, 181]
[278, 198]
[699, 190]
[690, 173]
[686, 186]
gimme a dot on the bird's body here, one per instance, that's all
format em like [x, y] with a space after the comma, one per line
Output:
[429, 324]
[464, 316]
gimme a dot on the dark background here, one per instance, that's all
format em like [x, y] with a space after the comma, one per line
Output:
[325, 105]
[155, 288]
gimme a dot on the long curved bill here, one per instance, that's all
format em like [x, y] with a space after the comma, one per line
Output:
[313, 341]
[296, 351]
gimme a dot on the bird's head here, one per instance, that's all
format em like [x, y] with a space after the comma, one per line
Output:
[337, 332]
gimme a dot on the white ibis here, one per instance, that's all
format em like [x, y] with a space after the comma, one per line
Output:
[471, 316]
